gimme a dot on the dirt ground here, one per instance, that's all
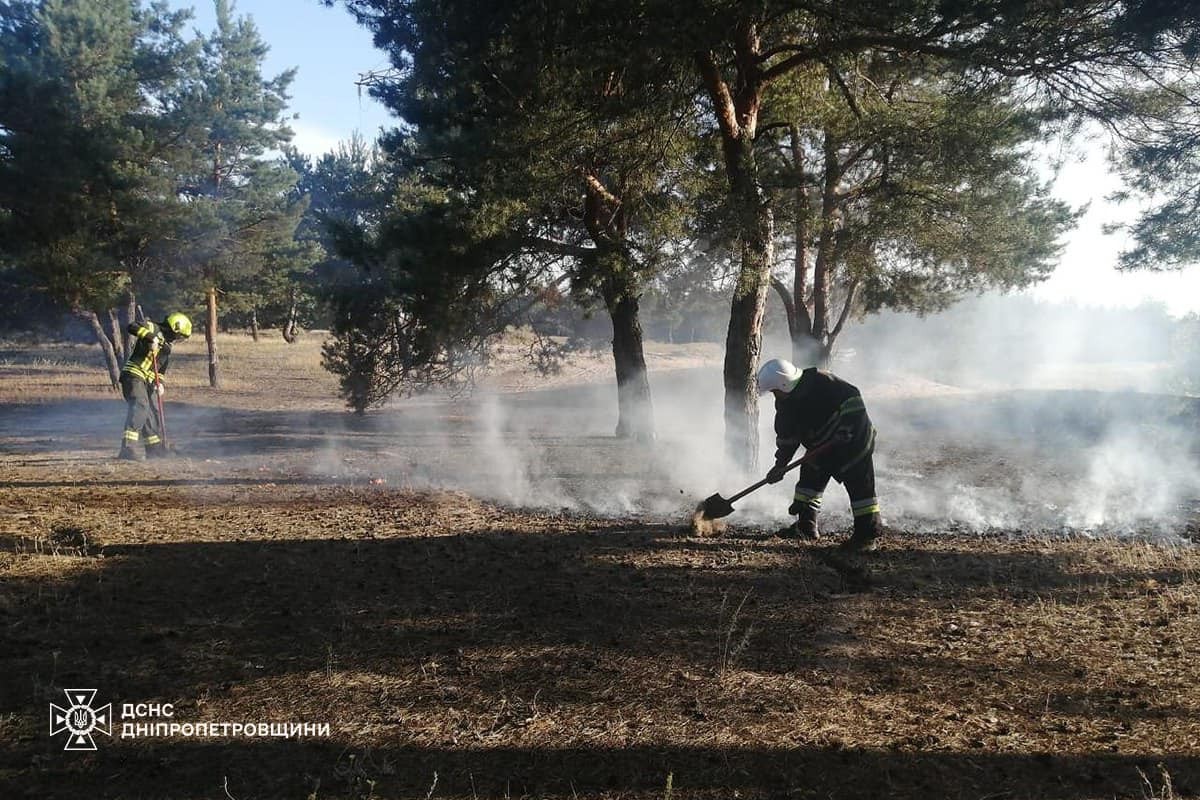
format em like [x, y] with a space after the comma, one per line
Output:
[475, 618]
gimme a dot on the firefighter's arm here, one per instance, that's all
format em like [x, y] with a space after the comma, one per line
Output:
[147, 332]
[787, 442]
[163, 362]
[785, 448]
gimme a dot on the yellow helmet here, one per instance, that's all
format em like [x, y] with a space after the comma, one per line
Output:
[178, 324]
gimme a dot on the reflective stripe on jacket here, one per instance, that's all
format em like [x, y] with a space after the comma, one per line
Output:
[823, 408]
[150, 340]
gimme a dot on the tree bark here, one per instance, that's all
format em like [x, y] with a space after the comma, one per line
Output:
[254, 324]
[115, 335]
[210, 338]
[289, 327]
[635, 412]
[803, 320]
[743, 340]
[808, 351]
[737, 119]
[606, 222]
[131, 315]
[826, 241]
[106, 346]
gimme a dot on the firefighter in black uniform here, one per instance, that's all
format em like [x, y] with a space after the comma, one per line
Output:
[140, 383]
[825, 414]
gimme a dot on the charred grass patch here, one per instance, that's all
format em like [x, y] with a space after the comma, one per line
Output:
[516, 654]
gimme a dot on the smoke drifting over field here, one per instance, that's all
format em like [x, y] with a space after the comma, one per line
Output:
[1000, 415]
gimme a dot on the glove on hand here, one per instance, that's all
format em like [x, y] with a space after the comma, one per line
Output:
[160, 389]
[776, 473]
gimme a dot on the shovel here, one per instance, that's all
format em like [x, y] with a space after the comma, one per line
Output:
[717, 506]
[162, 418]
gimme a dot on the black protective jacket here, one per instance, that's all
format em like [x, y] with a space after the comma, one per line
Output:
[151, 340]
[822, 410]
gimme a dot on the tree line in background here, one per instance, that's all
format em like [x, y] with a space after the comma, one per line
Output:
[847, 156]
[657, 165]
[134, 166]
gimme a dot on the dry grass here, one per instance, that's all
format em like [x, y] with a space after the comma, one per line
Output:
[287, 376]
[284, 376]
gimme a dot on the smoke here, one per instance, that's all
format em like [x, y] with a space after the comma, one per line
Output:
[1008, 414]
[1001, 415]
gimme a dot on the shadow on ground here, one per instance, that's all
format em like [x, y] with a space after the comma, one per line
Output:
[488, 657]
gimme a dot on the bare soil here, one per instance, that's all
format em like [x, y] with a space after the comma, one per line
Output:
[296, 565]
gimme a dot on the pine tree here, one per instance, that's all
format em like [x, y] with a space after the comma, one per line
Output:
[573, 166]
[900, 190]
[83, 130]
[243, 211]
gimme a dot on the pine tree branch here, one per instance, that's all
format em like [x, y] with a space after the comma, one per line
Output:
[718, 91]
[851, 297]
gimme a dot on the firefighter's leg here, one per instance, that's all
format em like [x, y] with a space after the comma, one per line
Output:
[137, 406]
[860, 485]
[152, 432]
[806, 503]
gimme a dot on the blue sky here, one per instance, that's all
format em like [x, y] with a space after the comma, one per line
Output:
[1087, 270]
[331, 50]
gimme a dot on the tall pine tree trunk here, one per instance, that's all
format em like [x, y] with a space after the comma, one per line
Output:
[811, 330]
[106, 347]
[806, 348]
[635, 412]
[604, 216]
[130, 316]
[743, 340]
[289, 327]
[210, 338]
[115, 335]
[809, 352]
[736, 108]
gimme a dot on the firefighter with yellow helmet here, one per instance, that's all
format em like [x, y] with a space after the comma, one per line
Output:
[141, 380]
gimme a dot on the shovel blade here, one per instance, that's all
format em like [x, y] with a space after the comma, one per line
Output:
[716, 507]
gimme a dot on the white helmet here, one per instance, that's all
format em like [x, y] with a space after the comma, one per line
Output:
[777, 375]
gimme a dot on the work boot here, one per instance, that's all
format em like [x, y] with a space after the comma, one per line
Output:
[805, 527]
[130, 453]
[867, 530]
[156, 450]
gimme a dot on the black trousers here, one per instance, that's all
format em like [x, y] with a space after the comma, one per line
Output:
[859, 481]
[850, 464]
[141, 416]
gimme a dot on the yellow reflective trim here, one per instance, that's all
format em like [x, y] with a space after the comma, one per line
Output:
[853, 404]
[866, 510]
[131, 436]
[866, 451]
[152, 439]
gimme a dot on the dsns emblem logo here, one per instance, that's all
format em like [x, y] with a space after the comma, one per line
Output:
[80, 718]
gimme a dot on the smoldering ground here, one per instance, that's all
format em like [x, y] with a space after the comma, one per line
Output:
[976, 432]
